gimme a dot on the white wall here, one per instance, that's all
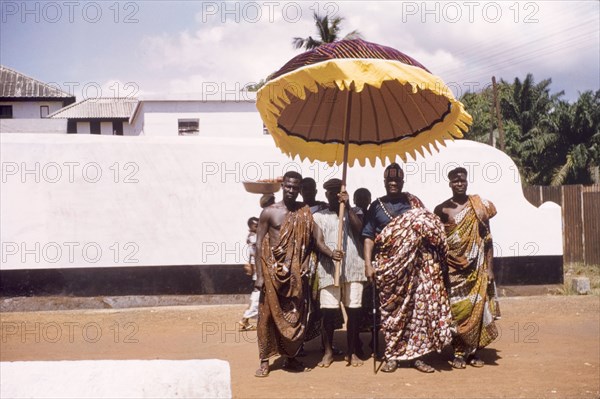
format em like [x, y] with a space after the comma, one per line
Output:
[89, 200]
[128, 129]
[216, 118]
[38, 125]
[31, 109]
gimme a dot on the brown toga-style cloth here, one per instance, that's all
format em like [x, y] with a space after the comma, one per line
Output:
[283, 306]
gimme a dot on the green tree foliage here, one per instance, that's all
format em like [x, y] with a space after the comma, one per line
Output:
[551, 141]
[479, 105]
[255, 86]
[578, 139]
[328, 30]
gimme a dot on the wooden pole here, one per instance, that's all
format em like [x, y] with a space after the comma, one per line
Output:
[492, 119]
[338, 264]
[498, 117]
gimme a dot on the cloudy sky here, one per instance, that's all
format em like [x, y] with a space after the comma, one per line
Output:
[170, 48]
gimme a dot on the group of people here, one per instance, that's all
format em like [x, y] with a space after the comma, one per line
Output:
[432, 272]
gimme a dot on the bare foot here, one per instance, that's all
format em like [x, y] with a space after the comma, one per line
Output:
[327, 360]
[353, 360]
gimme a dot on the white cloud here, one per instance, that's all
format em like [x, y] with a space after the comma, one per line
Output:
[462, 43]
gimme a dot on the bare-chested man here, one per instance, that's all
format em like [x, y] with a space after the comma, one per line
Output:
[285, 232]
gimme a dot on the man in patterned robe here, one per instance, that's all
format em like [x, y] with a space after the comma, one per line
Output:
[472, 289]
[405, 249]
[285, 232]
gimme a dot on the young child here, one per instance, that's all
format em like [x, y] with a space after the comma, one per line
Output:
[250, 269]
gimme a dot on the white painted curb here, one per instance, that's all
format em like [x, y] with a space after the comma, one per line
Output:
[116, 379]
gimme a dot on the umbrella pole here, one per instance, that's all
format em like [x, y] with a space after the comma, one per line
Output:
[336, 277]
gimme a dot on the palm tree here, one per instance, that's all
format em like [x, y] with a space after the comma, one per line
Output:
[529, 111]
[578, 137]
[529, 104]
[553, 142]
[328, 31]
[479, 106]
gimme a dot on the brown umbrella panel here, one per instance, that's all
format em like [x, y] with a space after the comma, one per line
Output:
[396, 109]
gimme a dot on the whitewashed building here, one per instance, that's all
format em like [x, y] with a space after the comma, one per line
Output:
[26, 103]
[197, 116]
[105, 115]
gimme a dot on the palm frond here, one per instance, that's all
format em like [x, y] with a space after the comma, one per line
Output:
[355, 34]
[560, 176]
[298, 42]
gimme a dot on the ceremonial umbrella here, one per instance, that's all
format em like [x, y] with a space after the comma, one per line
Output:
[352, 101]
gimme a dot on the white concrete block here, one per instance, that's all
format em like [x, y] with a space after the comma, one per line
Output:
[116, 379]
[581, 285]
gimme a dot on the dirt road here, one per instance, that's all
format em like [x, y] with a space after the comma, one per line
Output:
[549, 347]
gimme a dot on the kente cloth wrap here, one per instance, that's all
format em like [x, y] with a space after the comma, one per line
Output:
[470, 252]
[283, 306]
[409, 260]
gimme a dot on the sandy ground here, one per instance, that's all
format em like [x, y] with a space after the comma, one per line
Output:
[549, 347]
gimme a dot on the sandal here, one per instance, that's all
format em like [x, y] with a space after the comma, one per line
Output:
[459, 362]
[243, 326]
[262, 371]
[423, 367]
[476, 362]
[249, 327]
[390, 366]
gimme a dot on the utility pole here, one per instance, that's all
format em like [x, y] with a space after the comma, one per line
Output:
[497, 103]
[492, 119]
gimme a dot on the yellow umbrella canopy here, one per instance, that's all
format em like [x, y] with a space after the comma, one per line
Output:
[380, 101]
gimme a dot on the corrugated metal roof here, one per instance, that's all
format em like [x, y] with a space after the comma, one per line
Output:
[14, 84]
[98, 108]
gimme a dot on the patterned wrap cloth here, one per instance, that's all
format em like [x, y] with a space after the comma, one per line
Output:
[409, 261]
[283, 306]
[473, 301]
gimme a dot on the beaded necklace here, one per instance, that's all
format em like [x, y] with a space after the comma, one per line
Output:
[384, 209]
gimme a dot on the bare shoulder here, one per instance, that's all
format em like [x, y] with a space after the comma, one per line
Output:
[274, 210]
[267, 212]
